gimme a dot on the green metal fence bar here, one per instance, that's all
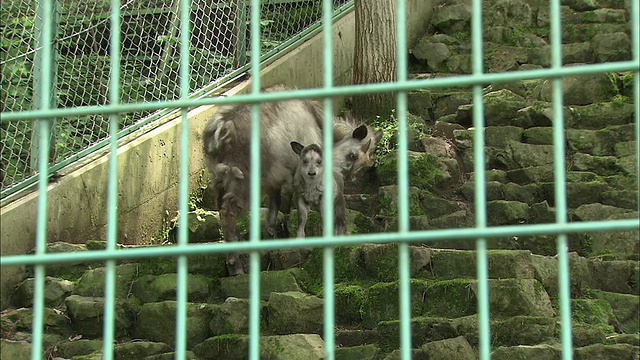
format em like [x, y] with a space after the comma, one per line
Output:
[560, 193]
[112, 184]
[355, 239]
[182, 250]
[44, 129]
[328, 261]
[183, 187]
[404, 257]
[254, 218]
[480, 199]
[635, 56]
[448, 82]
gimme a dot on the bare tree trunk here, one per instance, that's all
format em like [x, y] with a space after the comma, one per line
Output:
[374, 55]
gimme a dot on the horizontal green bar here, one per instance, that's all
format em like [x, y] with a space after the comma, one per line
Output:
[445, 82]
[319, 242]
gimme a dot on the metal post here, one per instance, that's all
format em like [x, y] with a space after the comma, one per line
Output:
[37, 79]
[240, 57]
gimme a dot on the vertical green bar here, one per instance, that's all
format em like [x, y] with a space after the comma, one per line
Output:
[112, 185]
[328, 262]
[183, 185]
[635, 55]
[254, 224]
[479, 184]
[559, 182]
[44, 128]
[404, 257]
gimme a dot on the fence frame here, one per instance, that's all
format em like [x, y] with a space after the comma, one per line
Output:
[182, 250]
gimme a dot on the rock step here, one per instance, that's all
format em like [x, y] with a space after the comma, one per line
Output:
[515, 303]
[528, 103]
[284, 347]
[297, 270]
[311, 346]
[91, 349]
[596, 351]
[516, 35]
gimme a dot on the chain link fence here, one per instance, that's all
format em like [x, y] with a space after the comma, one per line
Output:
[149, 66]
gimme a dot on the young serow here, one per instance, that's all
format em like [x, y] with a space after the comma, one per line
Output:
[308, 184]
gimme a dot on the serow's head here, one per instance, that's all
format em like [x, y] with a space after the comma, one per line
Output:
[310, 165]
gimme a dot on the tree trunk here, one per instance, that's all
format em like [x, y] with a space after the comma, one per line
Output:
[374, 55]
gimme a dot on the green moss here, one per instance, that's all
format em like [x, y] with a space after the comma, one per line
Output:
[231, 337]
[389, 126]
[423, 330]
[583, 176]
[95, 245]
[619, 101]
[349, 300]
[626, 83]
[449, 298]
[520, 330]
[348, 268]
[243, 225]
[585, 334]
[381, 262]
[594, 312]
[363, 224]
[425, 170]
[516, 36]
[157, 266]
[463, 35]
[93, 356]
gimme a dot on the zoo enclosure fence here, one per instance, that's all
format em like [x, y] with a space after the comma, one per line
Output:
[115, 106]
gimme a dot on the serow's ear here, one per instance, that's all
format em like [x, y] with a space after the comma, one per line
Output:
[377, 136]
[297, 147]
[360, 132]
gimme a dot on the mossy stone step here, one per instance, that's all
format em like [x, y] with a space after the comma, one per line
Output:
[360, 352]
[232, 317]
[20, 320]
[55, 291]
[451, 348]
[423, 329]
[270, 281]
[368, 305]
[152, 288]
[92, 282]
[279, 347]
[157, 322]
[86, 314]
[295, 312]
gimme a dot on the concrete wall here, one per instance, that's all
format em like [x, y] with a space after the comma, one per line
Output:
[148, 165]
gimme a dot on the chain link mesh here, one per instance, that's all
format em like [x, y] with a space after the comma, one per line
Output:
[149, 65]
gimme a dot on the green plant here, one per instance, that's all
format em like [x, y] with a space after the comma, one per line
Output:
[389, 126]
[166, 233]
[196, 196]
[619, 100]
